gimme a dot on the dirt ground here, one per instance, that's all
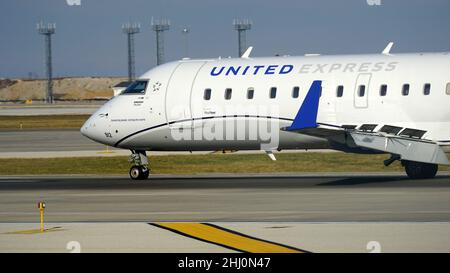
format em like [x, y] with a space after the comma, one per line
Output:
[64, 88]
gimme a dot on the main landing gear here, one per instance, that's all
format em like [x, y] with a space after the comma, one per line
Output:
[419, 170]
[140, 169]
[415, 170]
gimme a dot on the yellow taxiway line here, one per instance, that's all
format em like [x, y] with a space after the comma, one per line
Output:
[227, 238]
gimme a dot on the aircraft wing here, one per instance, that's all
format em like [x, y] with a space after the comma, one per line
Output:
[407, 143]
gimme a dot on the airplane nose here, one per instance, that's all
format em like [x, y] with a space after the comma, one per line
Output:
[90, 129]
[97, 126]
[86, 129]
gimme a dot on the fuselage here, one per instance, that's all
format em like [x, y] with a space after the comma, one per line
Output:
[242, 103]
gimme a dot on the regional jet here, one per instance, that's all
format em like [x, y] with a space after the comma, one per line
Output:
[395, 104]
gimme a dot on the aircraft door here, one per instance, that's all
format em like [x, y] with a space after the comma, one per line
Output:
[178, 96]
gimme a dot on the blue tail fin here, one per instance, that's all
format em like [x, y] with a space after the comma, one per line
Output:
[307, 114]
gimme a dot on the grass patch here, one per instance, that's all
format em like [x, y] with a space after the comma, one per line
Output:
[42, 122]
[212, 163]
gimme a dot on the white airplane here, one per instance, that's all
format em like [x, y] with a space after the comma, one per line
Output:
[377, 103]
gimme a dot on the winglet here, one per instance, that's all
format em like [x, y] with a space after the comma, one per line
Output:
[246, 54]
[387, 49]
[307, 114]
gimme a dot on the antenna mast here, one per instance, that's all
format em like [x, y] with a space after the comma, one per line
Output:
[130, 30]
[242, 25]
[159, 26]
[48, 30]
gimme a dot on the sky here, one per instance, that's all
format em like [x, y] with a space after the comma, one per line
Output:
[89, 39]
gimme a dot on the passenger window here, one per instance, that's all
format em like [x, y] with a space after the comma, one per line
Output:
[383, 90]
[250, 93]
[405, 90]
[137, 87]
[207, 94]
[273, 92]
[427, 89]
[361, 90]
[295, 92]
[340, 91]
[228, 93]
[447, 90]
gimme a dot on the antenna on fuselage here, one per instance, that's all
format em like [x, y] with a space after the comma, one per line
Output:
[387, 49]
[271, 155]
[247, 53]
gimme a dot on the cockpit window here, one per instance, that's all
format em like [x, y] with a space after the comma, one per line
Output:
[137, 87]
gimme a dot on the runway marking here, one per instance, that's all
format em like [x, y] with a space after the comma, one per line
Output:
[227, 238]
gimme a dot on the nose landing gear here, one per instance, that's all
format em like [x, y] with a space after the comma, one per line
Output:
[139, 172]
[140, 169]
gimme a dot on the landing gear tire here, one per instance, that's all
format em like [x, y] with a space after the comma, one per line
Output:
[419, 170]
[139, 173]
[140, 169]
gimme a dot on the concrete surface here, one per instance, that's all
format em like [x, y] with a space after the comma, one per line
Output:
[314, 212]
[313, 237]
[57, 109]
[46, 141]
[213, 198]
